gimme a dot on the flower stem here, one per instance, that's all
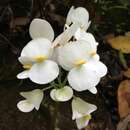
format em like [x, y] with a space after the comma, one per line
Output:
[65, 80]
[44, 89]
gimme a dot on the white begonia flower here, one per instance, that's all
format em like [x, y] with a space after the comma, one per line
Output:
[35, 58]
[32, 100]
[79, 16]
[87, 76]
[78, 58]
[73, 53]
[81, 112]
[62, 94]
[40, 28]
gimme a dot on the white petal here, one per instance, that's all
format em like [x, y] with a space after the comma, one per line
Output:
[40, 28]
[37, 47]
[70, 13]
[82, 108]
[34, 97]
[72, 52]
[52, 94]
[98, 67]
[82, 78]
[82, 35]
[25, 60]
[76, 114]
[102, 69]
[64, 37]
[62, 94]
[96, 57]
[82, 123]
[93, 90]
[23, 75]
[80, 16]
[54, 55]
[25, 106]
[43, 73]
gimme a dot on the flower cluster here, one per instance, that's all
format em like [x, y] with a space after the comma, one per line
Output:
[75, 50]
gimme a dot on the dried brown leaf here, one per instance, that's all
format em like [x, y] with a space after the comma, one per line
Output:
[127, 73]
[124, 98]
[121, 43]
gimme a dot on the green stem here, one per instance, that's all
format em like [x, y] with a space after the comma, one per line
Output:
[44, 89]
[59, 78]
[65, 80]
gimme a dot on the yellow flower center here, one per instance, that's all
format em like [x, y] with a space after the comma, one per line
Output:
[80, 62]
[87, 117]
[27, 66]
[93, 53]
[40, 58]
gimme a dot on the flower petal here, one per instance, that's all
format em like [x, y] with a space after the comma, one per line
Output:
[80, 16]
[80, 108]
[82, 35]
[98, 67]
[102, 68]
[25, 60]
[81, 123]
[37, 47]
[62, 94]
[52, 94]
[70, 13]
[82, 78]
[43, 73]
[72, 52]
[40, 28]
[93, 90]
[54, 55]
[34, 97]
[25, 106]
[23, 75]
[96, 57]
[64, 37]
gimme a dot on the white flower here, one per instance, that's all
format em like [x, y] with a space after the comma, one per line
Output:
[62, 94]
[79, 16]
[70, 54]
[78, 58]
[35, 58]
[82, 112]
[87, 76]
[32, 100]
